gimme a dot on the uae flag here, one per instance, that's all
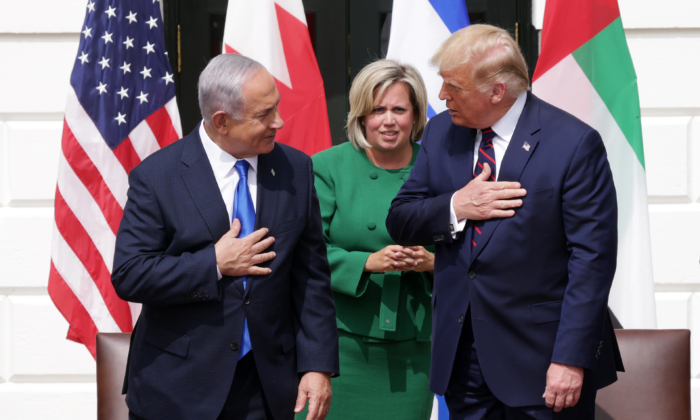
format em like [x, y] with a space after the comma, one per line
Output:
[586, 69]
[274, 33]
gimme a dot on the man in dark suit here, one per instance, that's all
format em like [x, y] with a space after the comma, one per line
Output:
[221, 242]
[518, 198]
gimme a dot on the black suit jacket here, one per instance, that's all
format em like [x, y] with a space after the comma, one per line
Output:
[184, 348]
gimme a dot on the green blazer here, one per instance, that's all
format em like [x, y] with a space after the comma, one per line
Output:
[355, 196]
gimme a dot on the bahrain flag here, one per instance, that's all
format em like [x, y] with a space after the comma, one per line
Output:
[274, 33]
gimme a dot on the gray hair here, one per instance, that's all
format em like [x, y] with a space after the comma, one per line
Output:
[220, 86]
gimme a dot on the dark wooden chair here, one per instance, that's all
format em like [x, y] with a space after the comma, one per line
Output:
[656, 381]
[655, 386]
[112, 351]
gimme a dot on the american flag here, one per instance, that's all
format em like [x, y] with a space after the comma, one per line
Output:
[120, 108]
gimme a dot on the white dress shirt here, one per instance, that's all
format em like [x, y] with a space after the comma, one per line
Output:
[504, 129]
[226, 174]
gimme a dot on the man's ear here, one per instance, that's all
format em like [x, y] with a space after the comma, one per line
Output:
[221, 122]
[498, 93]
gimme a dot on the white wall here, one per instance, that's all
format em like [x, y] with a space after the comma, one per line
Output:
[664, 40]
[42, 375]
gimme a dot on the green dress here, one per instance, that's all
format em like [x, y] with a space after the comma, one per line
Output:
[384, 319]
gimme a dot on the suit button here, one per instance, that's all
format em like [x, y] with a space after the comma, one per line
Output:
[472, 275]
[234, 346]
[188, 295]
[371, 225]
[373, 174]
[200, 294]
[247, 301]
[461, 319]
[206, 293]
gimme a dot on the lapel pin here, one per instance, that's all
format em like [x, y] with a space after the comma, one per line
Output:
[272, 171]
[526, 146]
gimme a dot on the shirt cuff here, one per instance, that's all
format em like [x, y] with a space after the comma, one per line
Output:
[218, 273]
[456, 226]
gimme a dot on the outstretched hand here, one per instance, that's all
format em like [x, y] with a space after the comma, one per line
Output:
[481, 199]
[239, 256]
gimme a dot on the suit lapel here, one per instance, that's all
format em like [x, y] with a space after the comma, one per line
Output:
[201, 184]
[517, 155]
[514, 161]
[268, 184]
[266, 201]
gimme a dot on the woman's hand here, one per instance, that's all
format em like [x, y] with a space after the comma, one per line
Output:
[424, 259]
[391, 258]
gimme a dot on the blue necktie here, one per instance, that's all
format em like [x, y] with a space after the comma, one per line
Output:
[244, 211]
[486, 155]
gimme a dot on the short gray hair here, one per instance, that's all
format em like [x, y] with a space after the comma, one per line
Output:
[220, 86]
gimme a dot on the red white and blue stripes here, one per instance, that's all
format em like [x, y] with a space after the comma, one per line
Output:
[105, 135]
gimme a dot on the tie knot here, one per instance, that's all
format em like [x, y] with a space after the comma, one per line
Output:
[242, 168]
[487, 134]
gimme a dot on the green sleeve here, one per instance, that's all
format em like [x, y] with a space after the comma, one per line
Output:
[347, 276]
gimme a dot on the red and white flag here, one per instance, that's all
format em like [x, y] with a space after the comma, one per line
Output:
[274, 33]
[120, 108]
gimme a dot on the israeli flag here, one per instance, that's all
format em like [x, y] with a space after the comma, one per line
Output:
[418, 28]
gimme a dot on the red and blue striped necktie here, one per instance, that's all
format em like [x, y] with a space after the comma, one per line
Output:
[486, 155]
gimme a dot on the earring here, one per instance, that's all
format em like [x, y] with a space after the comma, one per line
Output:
[362, 122]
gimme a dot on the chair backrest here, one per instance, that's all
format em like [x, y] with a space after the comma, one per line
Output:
[655, 384]
[112, 351]
[656, 381]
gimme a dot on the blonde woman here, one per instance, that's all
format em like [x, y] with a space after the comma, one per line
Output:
[382, 290]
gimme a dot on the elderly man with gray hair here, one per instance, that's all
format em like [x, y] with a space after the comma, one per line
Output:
[519, 200]
[221, 241]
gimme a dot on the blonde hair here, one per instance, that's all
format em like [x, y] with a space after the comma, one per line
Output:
[369, 86]
[491, 52]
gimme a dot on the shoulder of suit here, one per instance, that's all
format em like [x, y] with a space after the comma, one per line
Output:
[443, 118]
[439, 124]
[171, 152]
[291, 154]
[438, 127]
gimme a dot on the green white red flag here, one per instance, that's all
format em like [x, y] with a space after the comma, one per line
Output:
[586, 69]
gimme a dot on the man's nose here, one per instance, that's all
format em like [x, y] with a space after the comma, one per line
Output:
[443, 92]
[278, 122]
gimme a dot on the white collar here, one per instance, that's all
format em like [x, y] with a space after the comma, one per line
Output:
[505, 127]
[221, 161]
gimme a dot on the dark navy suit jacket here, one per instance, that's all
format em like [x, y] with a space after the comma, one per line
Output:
[538, 282]
[184, 348]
